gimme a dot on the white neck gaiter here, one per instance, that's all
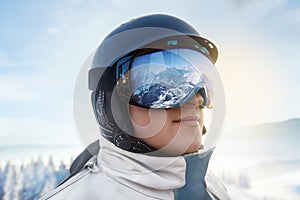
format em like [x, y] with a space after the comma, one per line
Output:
[154, 176]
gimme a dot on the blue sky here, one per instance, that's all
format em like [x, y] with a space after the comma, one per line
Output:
[44, 43]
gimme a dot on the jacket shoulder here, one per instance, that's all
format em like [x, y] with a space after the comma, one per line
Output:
[91, 183]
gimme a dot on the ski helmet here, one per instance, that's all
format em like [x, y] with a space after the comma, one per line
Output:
[137, 43]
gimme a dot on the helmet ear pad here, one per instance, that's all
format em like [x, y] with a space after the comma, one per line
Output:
[111, 112]
[110, 109]
[100, 112]
[119, 112]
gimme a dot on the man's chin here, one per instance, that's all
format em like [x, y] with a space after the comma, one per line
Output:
[193, 148]
[183, 150]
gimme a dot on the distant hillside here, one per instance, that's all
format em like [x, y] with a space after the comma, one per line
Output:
[278, 139]
[275, 127]
[28, 152]
[274, 167]
[272, 127]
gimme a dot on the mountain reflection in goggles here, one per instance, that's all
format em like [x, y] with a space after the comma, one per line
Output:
[164, 78]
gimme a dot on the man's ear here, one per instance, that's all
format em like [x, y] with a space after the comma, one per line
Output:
[203, 130]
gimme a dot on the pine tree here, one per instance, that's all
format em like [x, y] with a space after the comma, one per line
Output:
[62, 173]
[50, 179]
[2, 181]
[39, 177]
[10, 184]
[244, 180]
[33, 180]
[20, 190]
[27, 181]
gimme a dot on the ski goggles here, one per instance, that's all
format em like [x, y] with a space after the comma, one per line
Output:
[164, 79]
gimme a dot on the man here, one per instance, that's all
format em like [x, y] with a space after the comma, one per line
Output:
[151, 79]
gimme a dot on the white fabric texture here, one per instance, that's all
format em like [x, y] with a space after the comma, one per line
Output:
[119, 174]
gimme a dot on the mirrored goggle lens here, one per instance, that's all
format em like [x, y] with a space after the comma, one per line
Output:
[165, 78]
[160, 95]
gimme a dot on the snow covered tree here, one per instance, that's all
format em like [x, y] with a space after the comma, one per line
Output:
[244, 180]
[2, 181]
[62, 173]
[20, 189]
[33, 180]
[3, 176]
[39, 177]
[227, 177]
[50, 178]
[10, 184]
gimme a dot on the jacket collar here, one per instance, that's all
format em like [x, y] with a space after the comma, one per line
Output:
[140, 171]
[155, 176]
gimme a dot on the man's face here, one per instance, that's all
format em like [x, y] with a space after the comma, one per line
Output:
[174, 131]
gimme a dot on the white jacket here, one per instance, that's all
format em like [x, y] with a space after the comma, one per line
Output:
[117, 174]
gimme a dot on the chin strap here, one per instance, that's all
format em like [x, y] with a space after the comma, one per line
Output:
[195, 186]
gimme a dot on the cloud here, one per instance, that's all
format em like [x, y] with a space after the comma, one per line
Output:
[12, 88]
[292, 16]
[15, 131]
[260, 3]
[4, 60]
[53, 30]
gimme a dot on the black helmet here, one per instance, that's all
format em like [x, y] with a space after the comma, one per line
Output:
[143, 34]
[143, 31]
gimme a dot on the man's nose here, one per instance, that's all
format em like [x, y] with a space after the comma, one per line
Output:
[197, 100]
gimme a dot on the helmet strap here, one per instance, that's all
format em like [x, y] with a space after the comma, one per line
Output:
[102, 105]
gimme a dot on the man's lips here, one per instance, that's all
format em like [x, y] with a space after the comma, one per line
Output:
[188, 121]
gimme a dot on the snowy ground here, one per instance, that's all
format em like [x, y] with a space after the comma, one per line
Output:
[281, 187]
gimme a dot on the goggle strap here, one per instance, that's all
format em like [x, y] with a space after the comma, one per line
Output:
[106, 77]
